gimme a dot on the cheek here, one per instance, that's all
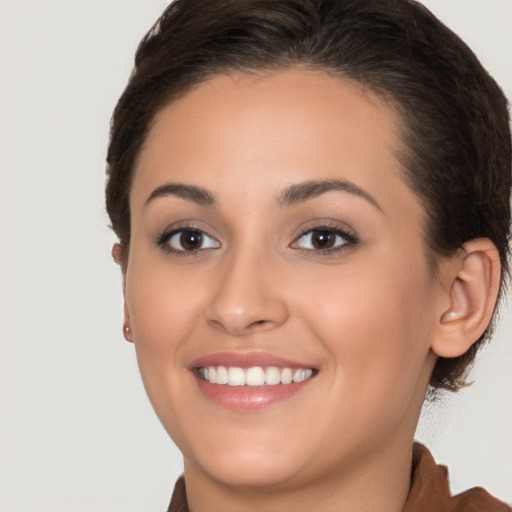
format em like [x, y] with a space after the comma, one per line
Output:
[164, 312]
[161, 305]
[380, 362]
[376, 324]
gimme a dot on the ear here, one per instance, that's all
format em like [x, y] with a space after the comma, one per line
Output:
[117, 255]
[472, 281]
[127, 329]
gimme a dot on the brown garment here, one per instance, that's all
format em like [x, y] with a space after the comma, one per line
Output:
[429, 491]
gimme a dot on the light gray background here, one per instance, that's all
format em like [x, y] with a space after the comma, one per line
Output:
[76, 430]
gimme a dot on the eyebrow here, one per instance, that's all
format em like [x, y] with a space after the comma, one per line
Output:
[192, 193]
[294, 194]
[311, 189]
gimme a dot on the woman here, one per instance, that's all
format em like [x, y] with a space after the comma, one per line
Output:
[312, 204]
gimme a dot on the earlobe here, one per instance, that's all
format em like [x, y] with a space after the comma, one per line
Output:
[117, 253]
[127, 330]
[127, 333]
[473, 288]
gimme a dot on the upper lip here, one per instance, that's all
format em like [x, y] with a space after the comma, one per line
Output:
[246, 360]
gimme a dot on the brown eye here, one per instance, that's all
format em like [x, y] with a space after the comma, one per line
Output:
[189, 240]
[324, 239]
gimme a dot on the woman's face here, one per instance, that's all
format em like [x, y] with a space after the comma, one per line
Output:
[274, 238]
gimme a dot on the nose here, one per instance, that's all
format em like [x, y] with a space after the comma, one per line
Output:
[247, 297]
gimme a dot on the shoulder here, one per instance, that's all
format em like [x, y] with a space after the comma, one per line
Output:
[430, 490]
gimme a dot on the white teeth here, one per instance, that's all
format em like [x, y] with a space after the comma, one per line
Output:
[297, 376]
[286, 376]
[236, 376]
[255, 376]
[300, 375]
[222, 375]
[272, 376]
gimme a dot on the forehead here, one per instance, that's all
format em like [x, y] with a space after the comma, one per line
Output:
[272, 129]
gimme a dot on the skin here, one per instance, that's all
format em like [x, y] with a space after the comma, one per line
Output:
[370, 316]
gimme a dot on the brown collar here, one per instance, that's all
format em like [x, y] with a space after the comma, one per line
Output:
[430, 491]
[179, 497]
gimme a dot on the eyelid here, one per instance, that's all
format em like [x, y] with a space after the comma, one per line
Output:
[336, 228]
[162, 239]
[327, 224]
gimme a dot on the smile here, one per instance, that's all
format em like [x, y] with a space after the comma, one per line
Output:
[255, 376]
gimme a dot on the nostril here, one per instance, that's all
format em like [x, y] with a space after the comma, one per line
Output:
[258, 324]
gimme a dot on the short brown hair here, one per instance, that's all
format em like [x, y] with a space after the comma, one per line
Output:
[455, 117]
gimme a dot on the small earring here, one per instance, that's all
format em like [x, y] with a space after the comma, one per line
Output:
[126, 329]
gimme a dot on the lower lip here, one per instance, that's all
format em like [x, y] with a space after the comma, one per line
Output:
[249, 398]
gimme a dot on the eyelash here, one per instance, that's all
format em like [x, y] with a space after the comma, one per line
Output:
[162, 241]
[350, 240]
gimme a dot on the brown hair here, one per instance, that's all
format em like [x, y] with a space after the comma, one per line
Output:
[456, 132]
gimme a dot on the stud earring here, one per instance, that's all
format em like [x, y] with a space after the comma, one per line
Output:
[126, 329]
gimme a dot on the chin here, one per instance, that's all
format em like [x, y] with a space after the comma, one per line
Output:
[250, 470]
[247, 461]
